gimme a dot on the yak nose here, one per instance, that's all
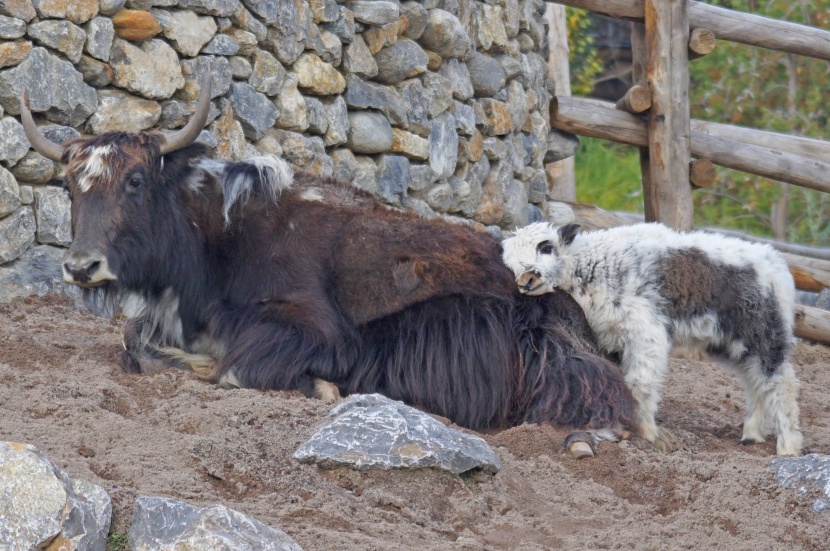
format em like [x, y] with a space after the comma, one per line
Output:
[529, 280]
[86, 268]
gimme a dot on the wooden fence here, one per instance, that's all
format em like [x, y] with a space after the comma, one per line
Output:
[677, 153]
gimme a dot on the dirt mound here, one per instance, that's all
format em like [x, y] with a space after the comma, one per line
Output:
[171, 434]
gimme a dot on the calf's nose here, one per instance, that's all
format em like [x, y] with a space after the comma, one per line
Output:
[529, 280]
[82, 267]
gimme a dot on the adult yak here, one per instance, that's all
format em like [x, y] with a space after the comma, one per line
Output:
[282, 278]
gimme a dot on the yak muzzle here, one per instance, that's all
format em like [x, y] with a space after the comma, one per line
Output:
[530, 282]
[87, 269]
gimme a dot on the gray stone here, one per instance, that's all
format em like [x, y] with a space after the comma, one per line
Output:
[161, 523]
[287, 36]
[412, 94]
[494, 148]
[151, 70]
[17, 232]
[396, 107]
[393, 178]
[536, 183]
[534, 214]
[401, 60]
[21, 9]
[324, 11]
[99, 36]
[33, 168]
[369, 132]
[420, 207]
[195, 69]
[515, 153]
[560, 145]
[464, 118]
[222, 8]
[360, 94]
[266, 9]
[558, 213]
[445, 35]
[176, 112]
[518, 105]
[823, 300]
[145, 5]
[458, 75]
[27, 195]
[439, 197]
[11, 28]
[13, 142]
[466, 195]
[516, 212]
[185, 30]
[38, 272]
[420, 177]
[253, 110]
[245, 21]
[512, 68]
[328, 47]
[317, 121]
[123, 112]
[443, 146]
[345, 164]
[293, 113]
[76, 11]
[490, 26]
[110, 7]
[479, 172]
[9, 193]
[268, 74]
[297, 149]
[95, 72]
[343, 25]
[365, 174]
[59, 134]
[53, 216]
[511, 17]
[417, 16]
[221, 44]
[269, 145]
[63, 36]
[809, 474]
[486, 74]
[240, 68]
[534, 70]
[374, 12]
[358, 59]
[375, 432]
[437, 94]
[337, 116]
[248, 42]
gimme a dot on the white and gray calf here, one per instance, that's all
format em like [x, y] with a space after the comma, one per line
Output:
[646, 288]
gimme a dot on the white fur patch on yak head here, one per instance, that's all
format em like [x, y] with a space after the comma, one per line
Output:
[535, 255]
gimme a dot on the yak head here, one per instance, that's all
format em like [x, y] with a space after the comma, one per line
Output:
[121, 187]
[536, 253]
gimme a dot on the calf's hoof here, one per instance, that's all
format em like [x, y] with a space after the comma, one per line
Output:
[580, 445]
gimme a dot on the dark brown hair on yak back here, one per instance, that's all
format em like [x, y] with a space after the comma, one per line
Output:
[278, 279]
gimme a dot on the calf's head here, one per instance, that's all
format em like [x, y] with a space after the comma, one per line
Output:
[535, 255]
[117, 191]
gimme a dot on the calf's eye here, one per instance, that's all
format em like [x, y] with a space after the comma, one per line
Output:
[545, 247]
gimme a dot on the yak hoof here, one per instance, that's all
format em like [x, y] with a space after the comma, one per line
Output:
[750, 442]
[665, 441]
[580, 444]
[325, 391]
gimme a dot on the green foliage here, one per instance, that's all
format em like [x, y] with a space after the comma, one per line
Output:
[585, 63]
[608, 175]
[117, 541]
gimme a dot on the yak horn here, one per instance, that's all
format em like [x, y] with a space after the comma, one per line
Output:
[40, 143]
[190, 132]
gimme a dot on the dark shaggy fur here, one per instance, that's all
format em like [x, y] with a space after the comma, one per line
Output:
[345, 289]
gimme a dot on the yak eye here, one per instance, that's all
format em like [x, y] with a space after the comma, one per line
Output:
[545, 247]
[135, 181]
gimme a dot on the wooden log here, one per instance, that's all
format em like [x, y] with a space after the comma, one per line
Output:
[639, 73]
[803, 147]
[702, 173]
[735, 26]
[590, 118]
[809, 279]
[636, 100]
[701, 42]
[812, 324]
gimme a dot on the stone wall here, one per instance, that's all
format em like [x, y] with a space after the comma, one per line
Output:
[436, 105]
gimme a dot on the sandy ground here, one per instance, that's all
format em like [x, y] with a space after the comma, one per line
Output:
[170, 434]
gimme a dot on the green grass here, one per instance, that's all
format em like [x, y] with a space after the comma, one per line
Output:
[608, 175]
[117, 541]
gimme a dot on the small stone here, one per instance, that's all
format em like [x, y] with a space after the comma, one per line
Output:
[110, 7]
[358, 59]
[364, 95]
[52, 213]
[99, 35]
[245, 21]
[33, 168]
[365, 174]
[63, 36]
[490, 25]
[343, 25]
[151, 70]
[297, 149]
[409, 144]
[329, 48]
[9, 193]
[17, 232]
[11, 28]
[494, 148]
[177, 112]
[412, 94]
[560, 145]
[27, 196]
[230, 138]
[378, 38]
[317, 121]
[266, 9]
[76, 11]
[12, 53]
[511, 17]
[459, 76]
[486, 74]
[120, 111]
[497, 117]
[186, 31]
[393, 178]
[420, 177]
[373, 12]
[417, 16]
[247, 41]
[512, 68]
[318, 77]
[269, 145]
[464, 117]
[293, 114]
[194, 70]
[59, 134]
[434, 61]
[445, 35]
[221, 8]
[13, 142]
[268, 74]
[95, 73]
[516, 211]
[254, 111]
[338, 121]
[345, 164]
[439, 197]
[323, 11]
[518, 105]
[402, 60]
[475, 146]
[369, 132]
[221, 44]
[20, 9]
[437, 94]
[135, 25]
[240, 68]
[443, 145]
[525, 42]
[289, 35]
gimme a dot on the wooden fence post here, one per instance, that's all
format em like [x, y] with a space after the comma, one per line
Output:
[669, 195]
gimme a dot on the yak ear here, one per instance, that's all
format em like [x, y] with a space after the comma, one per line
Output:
[568, 233]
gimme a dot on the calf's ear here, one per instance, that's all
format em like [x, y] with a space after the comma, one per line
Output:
[567, 233]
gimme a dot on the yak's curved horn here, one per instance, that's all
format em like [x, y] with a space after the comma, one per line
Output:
[191, 130]
[40, 143]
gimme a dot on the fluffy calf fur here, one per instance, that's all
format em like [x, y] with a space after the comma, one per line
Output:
[274, 280]
[645, 288]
